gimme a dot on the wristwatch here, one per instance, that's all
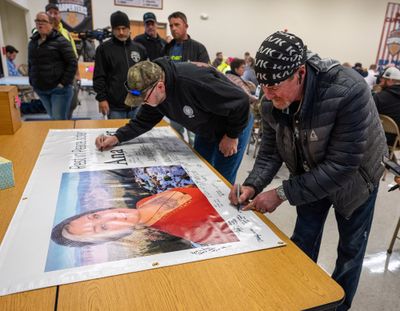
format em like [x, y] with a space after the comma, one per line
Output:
[281, 193]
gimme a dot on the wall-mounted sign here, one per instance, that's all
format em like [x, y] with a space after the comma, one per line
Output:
[151, 4]
[389, 45]
[76, 15]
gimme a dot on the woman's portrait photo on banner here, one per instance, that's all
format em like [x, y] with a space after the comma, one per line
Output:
[109, 215]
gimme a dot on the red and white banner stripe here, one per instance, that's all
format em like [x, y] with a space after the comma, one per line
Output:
[391, 23]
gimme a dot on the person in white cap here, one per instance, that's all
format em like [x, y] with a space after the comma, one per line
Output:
[388, 100]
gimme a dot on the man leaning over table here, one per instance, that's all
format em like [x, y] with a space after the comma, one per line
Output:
[198, 97]
[321, 120]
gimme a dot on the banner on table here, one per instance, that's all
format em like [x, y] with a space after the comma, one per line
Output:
[147, 203]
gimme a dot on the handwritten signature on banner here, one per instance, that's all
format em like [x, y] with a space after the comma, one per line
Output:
[208, 250]
[239, 222]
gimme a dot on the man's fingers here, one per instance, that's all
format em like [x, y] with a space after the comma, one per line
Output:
[233, 195]
[105, 142]
[249, 206]
[228, 153]
[98, 142]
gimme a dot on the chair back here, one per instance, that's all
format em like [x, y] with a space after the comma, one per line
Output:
[389, 125]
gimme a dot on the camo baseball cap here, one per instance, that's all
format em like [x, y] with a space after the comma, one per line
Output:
[141, 77]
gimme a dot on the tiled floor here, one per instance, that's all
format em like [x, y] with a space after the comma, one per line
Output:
[379, 287]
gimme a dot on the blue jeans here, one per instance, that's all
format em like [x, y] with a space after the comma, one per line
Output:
[226, 166]
[353, 238]
[124, 114]
[57, 101]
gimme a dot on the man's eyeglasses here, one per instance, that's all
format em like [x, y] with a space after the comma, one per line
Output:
[41, 21]
[151, 91]
[133, 92]
[271, 87]
[276, 86]
[142, 92]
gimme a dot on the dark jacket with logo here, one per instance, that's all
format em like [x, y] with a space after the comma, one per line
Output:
[333, 145]
[52, 62]
[113, 59]
[153, 45]
[192, 51]
[200, 98]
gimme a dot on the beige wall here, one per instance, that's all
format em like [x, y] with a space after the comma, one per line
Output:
[348, 30]
[14, 31]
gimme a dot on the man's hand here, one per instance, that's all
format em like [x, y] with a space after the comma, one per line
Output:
[246, 193]
[228, 146]
[397, 180]
[104, 142]
[264, 202]
[104, 108]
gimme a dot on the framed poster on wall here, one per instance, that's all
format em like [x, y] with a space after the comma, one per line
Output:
[152, 4]
[389, 45]
[76, 15]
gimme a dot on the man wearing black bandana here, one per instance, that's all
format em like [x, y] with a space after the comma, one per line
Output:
[320, 119]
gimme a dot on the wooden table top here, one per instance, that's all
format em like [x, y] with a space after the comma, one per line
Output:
[23, 149]
[282, 278]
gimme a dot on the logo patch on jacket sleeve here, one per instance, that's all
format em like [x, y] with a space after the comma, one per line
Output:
[188, 111]
[135, 56]
[313, 136]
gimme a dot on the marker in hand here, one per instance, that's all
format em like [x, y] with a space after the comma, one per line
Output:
[102, 139]
[238, 196]
[394, 187]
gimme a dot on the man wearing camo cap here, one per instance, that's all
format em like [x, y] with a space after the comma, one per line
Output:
[198, 97]
[320, 119]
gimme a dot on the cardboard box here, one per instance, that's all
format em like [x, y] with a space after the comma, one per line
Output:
[6, 174]
[10, 115]
[86, 70]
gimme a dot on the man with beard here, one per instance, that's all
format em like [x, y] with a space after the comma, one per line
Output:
[198, 97]
[320, 119]
[113, 59]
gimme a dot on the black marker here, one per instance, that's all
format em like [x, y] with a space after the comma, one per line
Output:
[394, 187]
[238, 196]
